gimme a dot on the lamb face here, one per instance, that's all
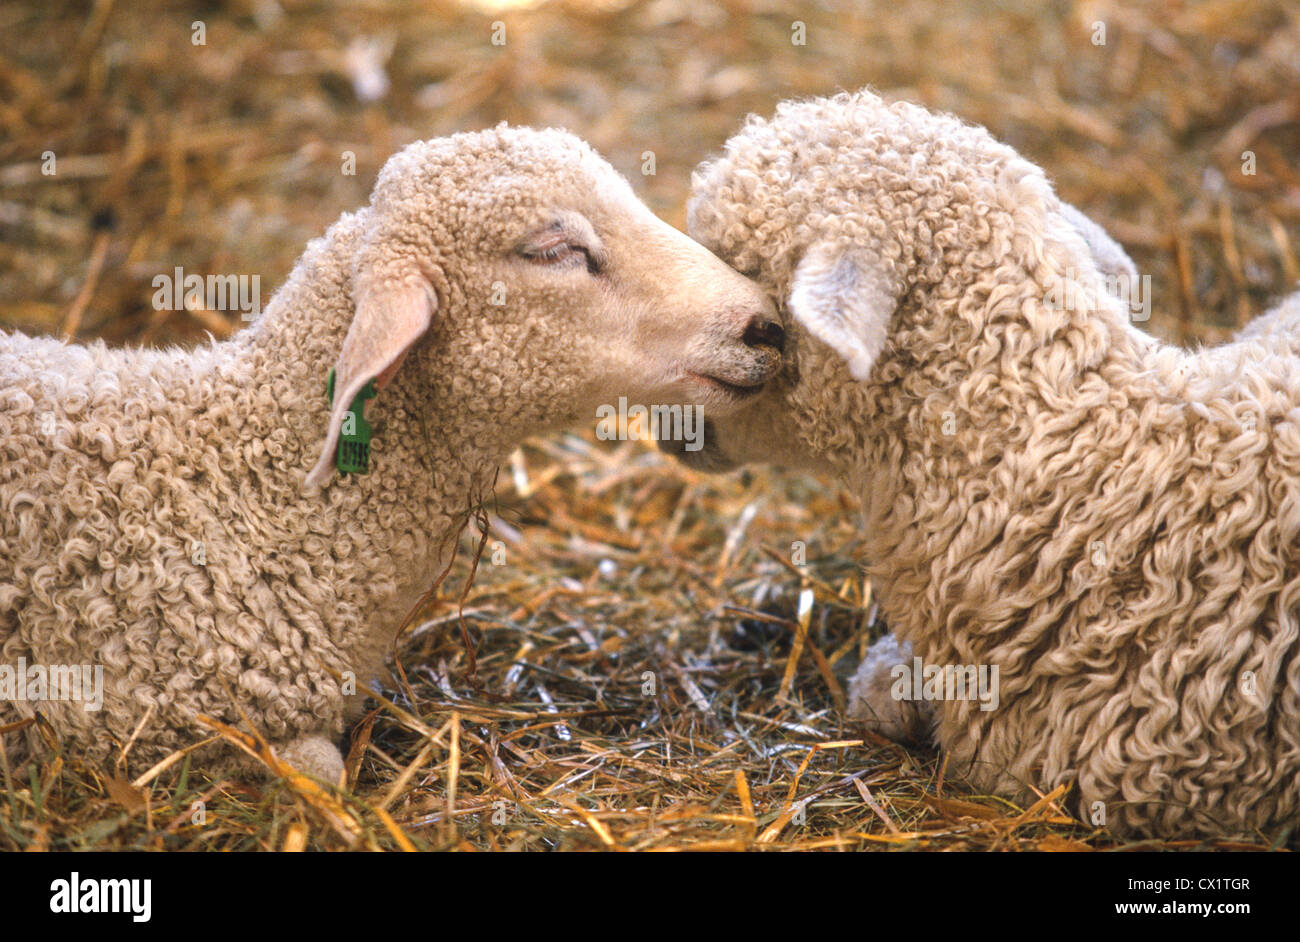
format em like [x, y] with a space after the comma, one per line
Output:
[541, 257]
[851, 219]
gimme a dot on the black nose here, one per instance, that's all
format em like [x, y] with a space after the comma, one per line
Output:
[762, 332]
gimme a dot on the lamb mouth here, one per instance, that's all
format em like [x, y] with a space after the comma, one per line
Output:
[735, 389]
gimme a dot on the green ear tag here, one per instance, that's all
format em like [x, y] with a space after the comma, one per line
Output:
[354, 446]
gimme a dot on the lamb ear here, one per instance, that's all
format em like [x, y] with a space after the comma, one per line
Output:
[845, 296]
[1112, 261]
[392, 313]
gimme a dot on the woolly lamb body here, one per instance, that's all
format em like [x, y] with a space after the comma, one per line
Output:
[1112, 522]
[156, 520]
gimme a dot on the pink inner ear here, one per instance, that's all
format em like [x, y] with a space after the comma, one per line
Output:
[386, 375]
[387, 324]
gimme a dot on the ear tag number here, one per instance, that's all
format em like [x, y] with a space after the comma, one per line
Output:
[354, 446]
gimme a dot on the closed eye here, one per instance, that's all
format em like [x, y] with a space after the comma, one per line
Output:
[566, 241]
[562, 253]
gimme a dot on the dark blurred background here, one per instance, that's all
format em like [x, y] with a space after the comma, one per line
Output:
[227, 156]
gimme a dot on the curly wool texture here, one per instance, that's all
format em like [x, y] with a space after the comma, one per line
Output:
[154, 517]
[1111, 521]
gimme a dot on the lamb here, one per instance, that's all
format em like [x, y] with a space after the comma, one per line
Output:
[1111, 522]
[173, 519]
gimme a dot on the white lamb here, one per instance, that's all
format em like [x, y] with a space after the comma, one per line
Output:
[154, 520]
[1111, 523]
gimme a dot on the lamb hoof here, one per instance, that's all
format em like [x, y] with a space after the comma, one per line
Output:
[872, 703]
[315, 756]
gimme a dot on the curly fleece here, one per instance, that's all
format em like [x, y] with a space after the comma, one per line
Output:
[155, 520]
[1113, 522]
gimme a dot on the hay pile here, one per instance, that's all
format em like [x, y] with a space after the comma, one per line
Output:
[644, 674]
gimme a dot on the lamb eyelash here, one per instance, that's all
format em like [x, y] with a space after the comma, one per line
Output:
[556, 252]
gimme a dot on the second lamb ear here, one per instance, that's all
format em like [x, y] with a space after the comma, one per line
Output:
[392, 312]
[1112, 261]
[845, 295]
